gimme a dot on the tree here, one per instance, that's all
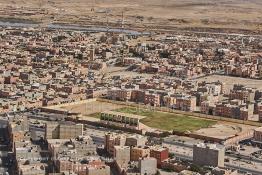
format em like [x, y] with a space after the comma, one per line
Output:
[171, 155]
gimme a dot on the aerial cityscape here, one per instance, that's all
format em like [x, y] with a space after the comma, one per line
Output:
[141, 87]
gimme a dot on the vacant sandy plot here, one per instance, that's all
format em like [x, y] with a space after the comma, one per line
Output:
[92, 107]
[230, 81]
[224, 130]
[121, 71]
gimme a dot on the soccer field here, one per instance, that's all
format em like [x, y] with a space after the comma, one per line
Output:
[168, 121]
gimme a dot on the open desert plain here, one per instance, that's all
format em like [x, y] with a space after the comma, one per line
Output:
[142, 14]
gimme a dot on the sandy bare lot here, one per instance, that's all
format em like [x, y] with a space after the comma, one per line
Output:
[241, 14]
[223, 131]
[230, 81]
[92, 107]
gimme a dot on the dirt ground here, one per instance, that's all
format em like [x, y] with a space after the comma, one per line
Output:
[146, 14]
[224, 130]
[92, 107]
[230, 81]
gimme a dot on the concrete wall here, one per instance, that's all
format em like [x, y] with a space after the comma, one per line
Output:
[71, 104]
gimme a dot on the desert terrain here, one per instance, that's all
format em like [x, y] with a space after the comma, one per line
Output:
[144, 15]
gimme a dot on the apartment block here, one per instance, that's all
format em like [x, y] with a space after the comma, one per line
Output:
[208, 155]
[113, 140]
[136, 140]
[147, 165]
[63, 131]
[139, 152]
[122, 155]
[160, 154]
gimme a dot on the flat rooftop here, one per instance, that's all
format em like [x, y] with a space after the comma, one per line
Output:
[259, 129]
[210, 146]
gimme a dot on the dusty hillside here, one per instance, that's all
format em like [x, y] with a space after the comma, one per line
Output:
[242, 14]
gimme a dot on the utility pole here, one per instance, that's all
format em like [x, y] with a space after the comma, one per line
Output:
[107, 22]
[122, 21]
[93, 6]
[122, 32]
[40, 5]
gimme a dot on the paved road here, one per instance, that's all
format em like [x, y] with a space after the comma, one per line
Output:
[244, 157]
[240, 169]
[244, 170]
